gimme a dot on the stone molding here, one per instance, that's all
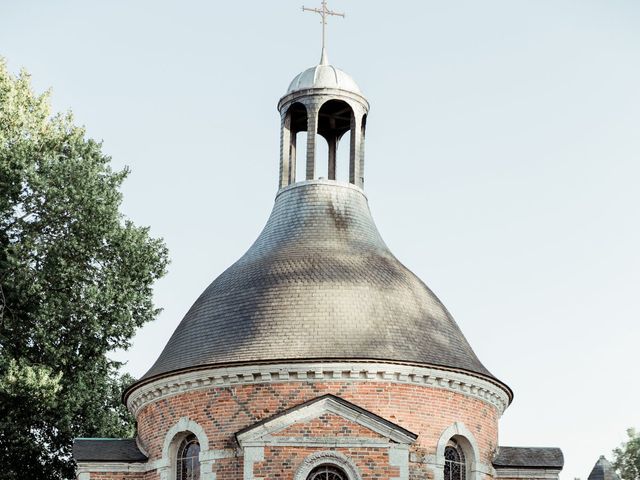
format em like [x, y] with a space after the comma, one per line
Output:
[252, 455]
[432, 377]
[166, 465]
[459, 432]
[86, 468]
[262, 434]
[399, 457]
[322, 181]
[322, 94]
[528, 473]
[328, 456]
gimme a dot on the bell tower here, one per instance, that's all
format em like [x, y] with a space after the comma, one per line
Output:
[325, 102]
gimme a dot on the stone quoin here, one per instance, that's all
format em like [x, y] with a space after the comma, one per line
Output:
[317, 355]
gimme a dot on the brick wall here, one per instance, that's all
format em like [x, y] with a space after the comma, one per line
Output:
[223, 411]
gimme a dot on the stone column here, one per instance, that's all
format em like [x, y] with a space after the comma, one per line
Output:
[285, 151]
[363, 133]
[292, 157]
[333, 147]
[312, 128]
[355, 172]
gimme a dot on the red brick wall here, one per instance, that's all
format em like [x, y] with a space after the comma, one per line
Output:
[225, 410]
[330, 425]
[283, 462]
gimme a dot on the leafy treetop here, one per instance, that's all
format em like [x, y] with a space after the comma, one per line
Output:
[76, 282]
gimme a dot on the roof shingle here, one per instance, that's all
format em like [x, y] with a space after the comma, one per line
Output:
[107, 450]
[318, 283]
[529, 457]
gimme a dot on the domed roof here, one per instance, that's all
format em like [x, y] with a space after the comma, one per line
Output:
[323, 76]
[319, 283]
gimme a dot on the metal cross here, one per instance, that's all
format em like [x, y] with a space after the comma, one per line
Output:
[324, 13]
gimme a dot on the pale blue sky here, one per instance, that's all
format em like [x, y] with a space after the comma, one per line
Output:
[503, 160]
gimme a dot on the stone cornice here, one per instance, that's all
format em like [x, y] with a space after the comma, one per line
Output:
[304, 372]
[529, 473]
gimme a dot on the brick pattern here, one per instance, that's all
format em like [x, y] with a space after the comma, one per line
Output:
[282, 463]
[329, 425]
[224, 411]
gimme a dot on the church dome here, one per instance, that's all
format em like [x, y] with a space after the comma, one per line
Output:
[323, 76]
[318, 284]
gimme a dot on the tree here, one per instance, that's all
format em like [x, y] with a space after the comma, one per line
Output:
[75, 283]
[627, 457]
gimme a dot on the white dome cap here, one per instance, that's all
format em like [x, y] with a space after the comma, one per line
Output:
[324, 76]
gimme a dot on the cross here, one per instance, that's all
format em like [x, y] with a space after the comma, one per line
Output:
[324, 13]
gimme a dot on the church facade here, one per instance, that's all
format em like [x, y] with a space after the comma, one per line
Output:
[317, 355]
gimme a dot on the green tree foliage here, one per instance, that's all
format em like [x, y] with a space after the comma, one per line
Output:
[75, 283]
[626, 458]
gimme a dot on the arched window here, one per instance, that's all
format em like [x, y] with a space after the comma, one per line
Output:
[327, 471]
[454, 463]
[188, 462]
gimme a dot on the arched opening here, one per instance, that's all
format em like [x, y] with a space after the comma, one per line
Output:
[336, 118]
[188, 459]
[300, 160]
[327, 471]
[455, 466]
[343, 157]
[294, 144]
[322, 158]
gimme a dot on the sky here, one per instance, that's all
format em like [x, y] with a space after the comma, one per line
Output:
[502, 166]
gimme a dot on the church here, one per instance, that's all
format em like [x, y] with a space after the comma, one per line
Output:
[317, 355]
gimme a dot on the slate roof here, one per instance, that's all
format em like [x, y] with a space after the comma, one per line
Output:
[319, 283]
[107, 450]
[529, 457]
[603, 470]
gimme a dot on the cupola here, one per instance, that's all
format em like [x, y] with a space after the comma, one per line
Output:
[325, 102]
[319, 283]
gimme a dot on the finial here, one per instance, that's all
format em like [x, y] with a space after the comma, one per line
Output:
[324, 13]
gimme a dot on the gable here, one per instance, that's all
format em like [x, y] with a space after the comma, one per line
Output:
[326, 416]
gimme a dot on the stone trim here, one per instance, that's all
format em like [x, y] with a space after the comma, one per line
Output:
[208, 456]
[86, 468]
[296, 96]
[399, 457]
[476, 470]
[431, 377]
[262, 433]
[326, 442]
[322, 181]
[167, 464]
[528, 473]
[329, 456]
[252, 455]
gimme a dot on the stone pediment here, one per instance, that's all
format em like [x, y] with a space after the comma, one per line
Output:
[325, 420]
